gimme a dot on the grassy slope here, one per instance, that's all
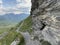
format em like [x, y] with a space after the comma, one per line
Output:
[8, 39]
[27, 25]
[3, 30]
[6, 28]
[11, 36]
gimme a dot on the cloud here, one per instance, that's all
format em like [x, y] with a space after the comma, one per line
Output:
[1, 8]
[9, 10]
[1, 1]
[25, 10]
[19, 1]
[17, 12]
[22, 6]
[23, 3]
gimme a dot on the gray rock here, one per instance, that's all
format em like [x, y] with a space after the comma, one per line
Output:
[46, 15]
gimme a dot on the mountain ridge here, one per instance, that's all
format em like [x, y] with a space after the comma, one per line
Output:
[12, 18]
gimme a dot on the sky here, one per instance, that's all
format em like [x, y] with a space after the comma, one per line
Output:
[15, 6]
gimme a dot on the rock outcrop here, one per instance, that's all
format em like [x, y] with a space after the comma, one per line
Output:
[46, 20]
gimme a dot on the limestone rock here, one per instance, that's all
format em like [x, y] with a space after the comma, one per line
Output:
[46, 20]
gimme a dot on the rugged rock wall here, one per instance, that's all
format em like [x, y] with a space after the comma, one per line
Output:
[46, 20]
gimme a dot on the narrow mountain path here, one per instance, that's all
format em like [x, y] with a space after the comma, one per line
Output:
[16, 41]
[27, 37]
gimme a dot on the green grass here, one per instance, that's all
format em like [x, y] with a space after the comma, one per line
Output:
[8, 39]
[12, 35]
[7, 27]
[22, 41]
[16, 26]
[4, 30]
[27, 25]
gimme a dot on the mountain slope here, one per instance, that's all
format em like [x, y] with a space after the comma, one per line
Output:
[27, 25]
[9, 19]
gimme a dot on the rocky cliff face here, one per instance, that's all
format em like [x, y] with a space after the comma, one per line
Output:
[46, 20]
